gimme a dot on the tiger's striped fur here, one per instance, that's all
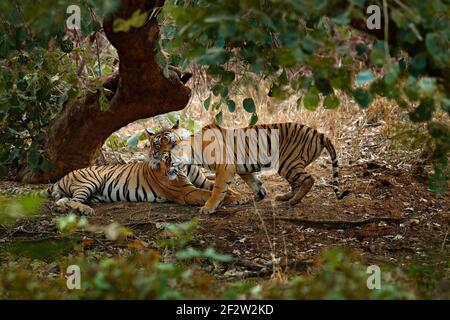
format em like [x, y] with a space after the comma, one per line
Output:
[298, 144]
[135, 182]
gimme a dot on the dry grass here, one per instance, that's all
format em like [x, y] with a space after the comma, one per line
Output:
[359, 135]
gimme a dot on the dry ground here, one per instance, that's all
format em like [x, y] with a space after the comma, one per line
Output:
[390, 215]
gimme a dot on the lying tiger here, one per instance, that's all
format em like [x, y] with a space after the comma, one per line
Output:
[151, 181]
[298, 146]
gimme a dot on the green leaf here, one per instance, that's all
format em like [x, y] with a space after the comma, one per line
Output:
[66, 46]
[427, 86]
[362, 97]
[227, 77]
[211, 253]
[361, 49]
[324, 86]
[103, 101]
[279, 92]
[418, 64]
[166, 71]
[188, 253]
[249, 105]
[253, 119]
[231, 105]
[342, 80]
[342, 19]
[207, 102]
[311, 99]
[227, 28]
[364, 77]
[47, 249]
[219, 89]
[308, 44]
[398, 17]
[423, 112]
[133, 141]
[219, 118]
[331, 102]
[438, 182]
[438, 46]
[136, 20]
[445, 104]
[411, 89]
[377, 56]
[392, 74]
[213, 56]
[285, 57]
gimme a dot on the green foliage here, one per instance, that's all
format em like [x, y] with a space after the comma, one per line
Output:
[179, 235]
[231, 39]
[208, 253]
[362, 97]
[40, 72]
[249, 105]
[364, 77]
[340, 274]
[70, 223]
[115, 142]
[12, 209]
[34, 87]
[136, 20]
[27, 25]
[311, 99]
[133, 141]
[43, 249]
[139, 273]
[269, 38]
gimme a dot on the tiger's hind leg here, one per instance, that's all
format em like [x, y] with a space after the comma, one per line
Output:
[285, 196]
[302, 186]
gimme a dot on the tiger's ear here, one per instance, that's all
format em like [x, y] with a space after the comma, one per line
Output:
[149, 133]
[176, 125]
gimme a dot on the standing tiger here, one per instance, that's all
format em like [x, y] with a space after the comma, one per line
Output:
[155, 180]
[297, 146]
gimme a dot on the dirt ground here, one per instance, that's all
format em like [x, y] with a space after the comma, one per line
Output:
[390, 216]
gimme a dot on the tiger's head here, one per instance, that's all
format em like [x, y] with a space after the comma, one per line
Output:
[161, 153]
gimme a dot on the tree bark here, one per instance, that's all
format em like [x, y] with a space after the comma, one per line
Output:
[140, 91]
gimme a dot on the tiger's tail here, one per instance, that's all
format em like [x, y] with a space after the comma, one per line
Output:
[330, 148]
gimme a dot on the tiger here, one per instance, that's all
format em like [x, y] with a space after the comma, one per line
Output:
[154, 180]
[298, 146]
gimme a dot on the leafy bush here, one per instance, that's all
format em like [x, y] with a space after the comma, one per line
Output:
[35, 269]
[34, 87]
[40, 69]
[143, 275]
[406, 62]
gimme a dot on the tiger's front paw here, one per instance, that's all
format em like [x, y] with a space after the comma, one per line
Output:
[86, 210]
[207, 210]
[66, 204]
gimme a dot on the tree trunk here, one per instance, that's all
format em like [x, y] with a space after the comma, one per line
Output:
[140, 91]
